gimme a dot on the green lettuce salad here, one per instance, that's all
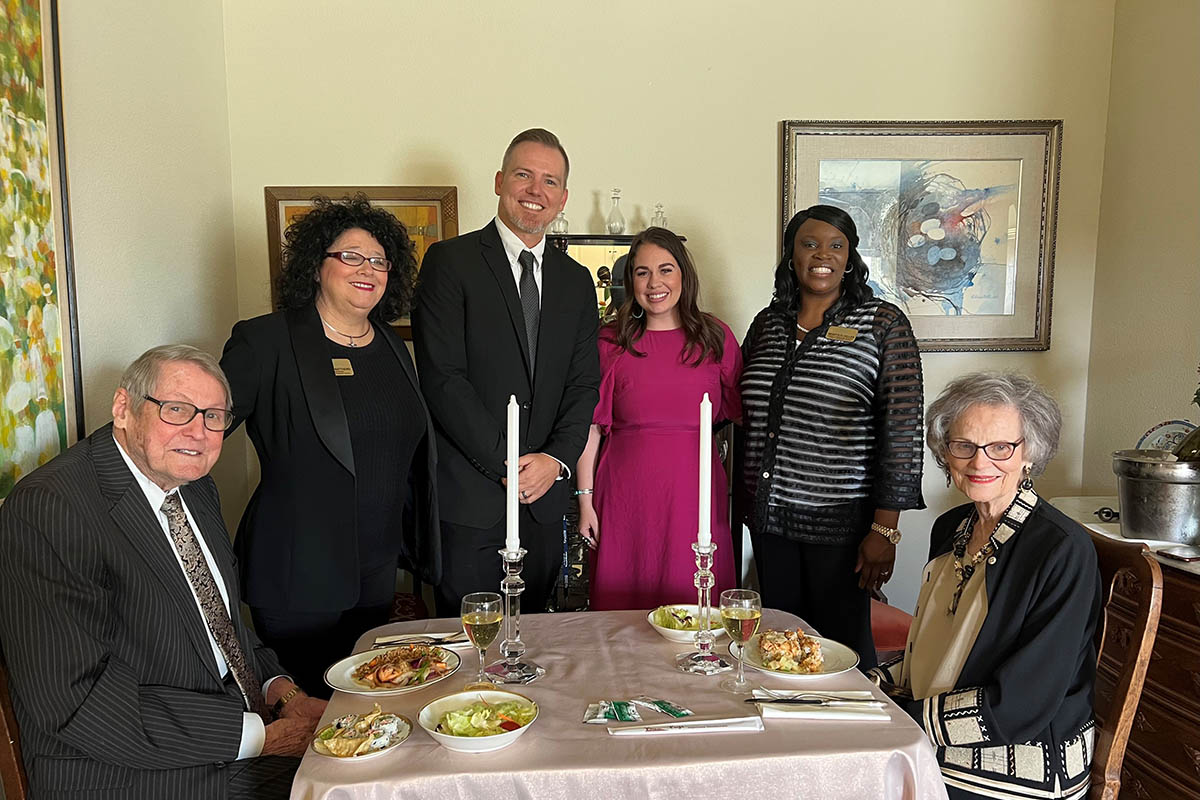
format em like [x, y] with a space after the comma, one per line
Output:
[487, 719]
[679, 618]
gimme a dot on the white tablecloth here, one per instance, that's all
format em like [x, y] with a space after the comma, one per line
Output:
[616, 655]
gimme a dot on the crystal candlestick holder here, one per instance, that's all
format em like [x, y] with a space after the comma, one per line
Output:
[703, 661]
[512, 668]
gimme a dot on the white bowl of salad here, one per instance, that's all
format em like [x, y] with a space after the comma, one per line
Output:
[478, 721]
[680, 623]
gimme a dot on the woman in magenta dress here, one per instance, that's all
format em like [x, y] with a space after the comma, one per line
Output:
[657, 359]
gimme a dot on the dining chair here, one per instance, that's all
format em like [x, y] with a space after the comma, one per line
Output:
[1133, 602]
[12, 770]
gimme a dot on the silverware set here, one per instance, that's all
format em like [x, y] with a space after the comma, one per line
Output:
[419, 638]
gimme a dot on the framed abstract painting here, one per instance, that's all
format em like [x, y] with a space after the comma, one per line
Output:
[41, 385]
[430, 213]
[956, 220]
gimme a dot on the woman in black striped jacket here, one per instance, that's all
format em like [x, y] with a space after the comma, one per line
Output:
[832, 398]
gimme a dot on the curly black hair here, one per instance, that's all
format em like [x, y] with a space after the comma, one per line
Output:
[308, 239]
[855, 290]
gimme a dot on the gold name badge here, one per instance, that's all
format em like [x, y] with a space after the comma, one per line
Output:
[840, 334]
[342, 367]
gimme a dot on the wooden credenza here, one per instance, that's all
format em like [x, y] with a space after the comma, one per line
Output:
[1163, 758]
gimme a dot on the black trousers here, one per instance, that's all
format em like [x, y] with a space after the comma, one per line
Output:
[308, 642]
[818, 584]
[471, 562]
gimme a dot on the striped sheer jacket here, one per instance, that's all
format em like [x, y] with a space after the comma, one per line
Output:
[833, 427]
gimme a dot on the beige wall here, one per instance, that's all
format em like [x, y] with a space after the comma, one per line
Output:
[147, 134]
[1145, 337]
[674, 103]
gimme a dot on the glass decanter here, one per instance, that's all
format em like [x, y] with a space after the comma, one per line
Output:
[659, 219]
[616, 220]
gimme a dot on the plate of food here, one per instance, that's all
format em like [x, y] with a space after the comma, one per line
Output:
[358, 737]
[794, 654]
[394, 671]
[680, 623]
[479, 721]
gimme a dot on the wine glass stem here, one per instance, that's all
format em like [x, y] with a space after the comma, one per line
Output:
[741, 679]
[482, 658]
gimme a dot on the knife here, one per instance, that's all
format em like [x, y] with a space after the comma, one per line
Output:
[812, 701]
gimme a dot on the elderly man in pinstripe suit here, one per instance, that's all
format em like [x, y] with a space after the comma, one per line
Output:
[132, 672]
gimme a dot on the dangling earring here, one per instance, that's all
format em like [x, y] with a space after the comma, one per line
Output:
[848, 270]
[636, 315]
[1027, 480]
[947, 479]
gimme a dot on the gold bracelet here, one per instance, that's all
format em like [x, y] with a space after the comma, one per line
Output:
[891, 534]
[283, 700]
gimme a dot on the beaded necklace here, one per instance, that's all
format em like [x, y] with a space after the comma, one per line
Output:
[1009, 521]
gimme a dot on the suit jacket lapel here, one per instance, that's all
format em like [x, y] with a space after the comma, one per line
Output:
[134, 518]
[319, 384]
[556, 320]
[497, 261]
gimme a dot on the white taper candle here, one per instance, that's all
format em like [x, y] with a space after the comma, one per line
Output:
[512, 505]
[704, 538]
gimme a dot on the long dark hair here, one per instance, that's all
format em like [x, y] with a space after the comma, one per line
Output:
[703, 335]
[308, 239]
[855, 290]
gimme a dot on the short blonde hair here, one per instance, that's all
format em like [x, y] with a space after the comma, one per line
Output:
[140, 377]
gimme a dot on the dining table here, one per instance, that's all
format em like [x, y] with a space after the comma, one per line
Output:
[617, 655]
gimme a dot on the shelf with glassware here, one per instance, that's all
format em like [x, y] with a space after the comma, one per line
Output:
[604, 255]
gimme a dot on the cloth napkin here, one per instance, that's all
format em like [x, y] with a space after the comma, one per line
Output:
[783, 711]
[751, 722]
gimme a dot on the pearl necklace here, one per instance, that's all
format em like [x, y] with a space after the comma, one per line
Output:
[349, 336]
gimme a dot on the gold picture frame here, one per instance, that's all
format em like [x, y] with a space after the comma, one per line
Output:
[430, 213]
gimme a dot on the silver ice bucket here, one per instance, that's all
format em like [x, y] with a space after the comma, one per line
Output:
[1160, 497]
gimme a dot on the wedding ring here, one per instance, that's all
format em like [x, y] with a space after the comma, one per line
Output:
[524, 495]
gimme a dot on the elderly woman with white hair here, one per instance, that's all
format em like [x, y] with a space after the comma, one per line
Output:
[1001, 661]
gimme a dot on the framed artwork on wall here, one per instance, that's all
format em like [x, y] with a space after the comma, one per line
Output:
[956, 220]
[430, 213]
[41, 384]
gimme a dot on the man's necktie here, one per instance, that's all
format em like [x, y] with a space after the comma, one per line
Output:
[530, 304]
[215, 614]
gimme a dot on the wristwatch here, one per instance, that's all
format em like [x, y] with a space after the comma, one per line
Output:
[891, 534]
[277, 709]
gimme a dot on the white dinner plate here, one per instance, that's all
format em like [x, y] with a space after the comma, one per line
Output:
[400, 738]
[838, 658]
[341, 675]
[1165, 435]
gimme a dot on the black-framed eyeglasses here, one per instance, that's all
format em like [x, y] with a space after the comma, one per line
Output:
[177, 412]
[353, 259]
[996, 451]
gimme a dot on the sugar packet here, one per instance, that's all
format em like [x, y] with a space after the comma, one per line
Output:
[611, 710]
[665, 706]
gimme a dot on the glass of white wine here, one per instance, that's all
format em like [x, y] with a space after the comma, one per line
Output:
[741, 611]
[482, 614]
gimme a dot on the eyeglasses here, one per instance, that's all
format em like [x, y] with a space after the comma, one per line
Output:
[353, 259]
[177, 412]
[996, 451]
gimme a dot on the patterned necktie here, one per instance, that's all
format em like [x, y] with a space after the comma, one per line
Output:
[215, 614]
[530, 304]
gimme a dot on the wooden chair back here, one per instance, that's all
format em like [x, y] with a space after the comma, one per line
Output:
[1133, 603]
[12, 769]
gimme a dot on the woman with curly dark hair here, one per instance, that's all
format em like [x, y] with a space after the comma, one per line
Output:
[330, 399]
[832, 397]
[657, 359]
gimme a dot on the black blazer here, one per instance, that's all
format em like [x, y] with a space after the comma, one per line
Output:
[113, 678]
[297, 539]
[469, 339]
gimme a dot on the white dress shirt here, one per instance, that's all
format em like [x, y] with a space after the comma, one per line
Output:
[512, 248]
[253, 729]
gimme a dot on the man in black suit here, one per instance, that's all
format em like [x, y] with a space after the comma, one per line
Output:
[132, 673]
[499, 313]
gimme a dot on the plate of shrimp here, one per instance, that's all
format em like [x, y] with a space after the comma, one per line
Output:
[395, 671]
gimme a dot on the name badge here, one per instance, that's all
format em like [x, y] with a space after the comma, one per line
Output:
[342, 367]
[839, 334]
